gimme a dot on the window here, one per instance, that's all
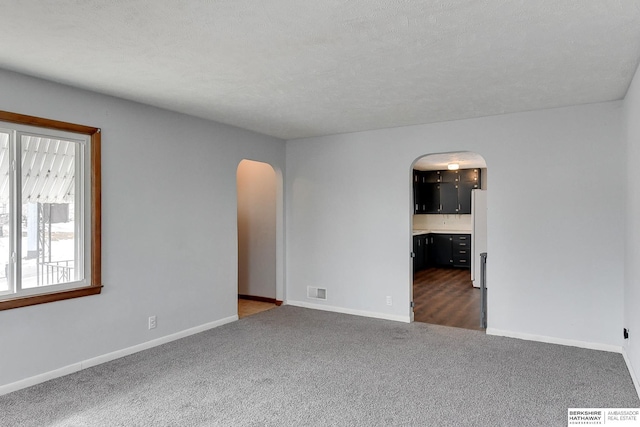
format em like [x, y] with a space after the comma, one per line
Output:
[49, 210]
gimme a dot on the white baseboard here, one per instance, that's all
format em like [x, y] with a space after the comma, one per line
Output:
[84, 364]
[554, 340]
[363, 313]
[37, 379]
[634, 377]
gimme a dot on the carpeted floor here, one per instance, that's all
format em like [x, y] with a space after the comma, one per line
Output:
[296, 367]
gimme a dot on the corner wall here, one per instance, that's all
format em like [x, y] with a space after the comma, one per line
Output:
[632, 259]
[556, 214]
[169, 236]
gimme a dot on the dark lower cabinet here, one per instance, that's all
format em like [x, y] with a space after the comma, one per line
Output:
[461, 248]
[421, 252]
[417, 254]
[441, 250]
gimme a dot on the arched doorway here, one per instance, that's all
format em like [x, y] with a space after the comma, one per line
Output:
[449, 233]
[257, 189]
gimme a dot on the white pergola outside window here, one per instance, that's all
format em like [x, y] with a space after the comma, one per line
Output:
[47, 219]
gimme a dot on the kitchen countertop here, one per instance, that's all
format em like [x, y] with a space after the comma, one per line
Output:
[419, 232]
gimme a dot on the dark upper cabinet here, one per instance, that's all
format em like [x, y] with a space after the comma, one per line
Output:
[469, 180]
[450, 176]
[469, 175]
[417, 191]
[440, 176]
[464, 196]
[422, 195]
[432, 177]
[448, 197]
[431, 199]
[444, 192]
[426, 193]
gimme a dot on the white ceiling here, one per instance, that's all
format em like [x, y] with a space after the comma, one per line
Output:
[464, 159]
[295, 69]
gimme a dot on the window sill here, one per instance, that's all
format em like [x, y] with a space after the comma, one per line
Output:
[54, 296]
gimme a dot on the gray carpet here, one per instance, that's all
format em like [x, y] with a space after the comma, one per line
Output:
[296, 367]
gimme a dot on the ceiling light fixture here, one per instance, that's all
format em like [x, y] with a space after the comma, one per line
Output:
[453, 166]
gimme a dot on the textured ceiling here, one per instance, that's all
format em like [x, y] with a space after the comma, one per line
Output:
[464, 159]
[294, 69]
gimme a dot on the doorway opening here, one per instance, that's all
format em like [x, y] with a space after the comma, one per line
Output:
[449, 228]
[257, 191]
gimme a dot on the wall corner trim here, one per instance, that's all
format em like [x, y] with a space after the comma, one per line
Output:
[84, 364]
[363, 313]
[634, 377]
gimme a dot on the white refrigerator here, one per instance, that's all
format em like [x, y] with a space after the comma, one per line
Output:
[478, 232]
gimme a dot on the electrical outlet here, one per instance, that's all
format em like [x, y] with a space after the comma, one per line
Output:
[389, 300]
[625, 333]
[152, 322]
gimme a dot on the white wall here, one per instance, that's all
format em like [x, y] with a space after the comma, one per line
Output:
[632, 260]
[555, 218]
[556, 222]
[256, 229]
[169, 228]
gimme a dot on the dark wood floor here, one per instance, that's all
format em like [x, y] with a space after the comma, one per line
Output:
[446, 296]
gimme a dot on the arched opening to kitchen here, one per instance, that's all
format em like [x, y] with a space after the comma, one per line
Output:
[449, 227]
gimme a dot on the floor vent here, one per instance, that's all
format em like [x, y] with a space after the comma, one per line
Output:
[316, 293]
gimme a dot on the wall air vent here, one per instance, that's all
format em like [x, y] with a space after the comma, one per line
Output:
[316, 293]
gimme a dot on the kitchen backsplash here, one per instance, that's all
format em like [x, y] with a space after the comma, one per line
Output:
[442, 222]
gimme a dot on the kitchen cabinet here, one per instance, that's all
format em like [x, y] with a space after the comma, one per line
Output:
[450, 176]
[469, 175]
[417, 254]
[444, 192]
[468, 180]
[463, 193]
[449, 198]
[417, 192]
[440, 176]
[432, 177]
[453, 250]
[427, 193]
[420, 191]
[461, 250]
[442, 253]
[430, 198]
[421, 252]
[441, 250]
